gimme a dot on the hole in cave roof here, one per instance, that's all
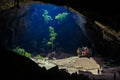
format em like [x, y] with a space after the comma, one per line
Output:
[31, 32]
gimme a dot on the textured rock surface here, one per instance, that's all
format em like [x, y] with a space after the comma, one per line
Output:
[74, 64]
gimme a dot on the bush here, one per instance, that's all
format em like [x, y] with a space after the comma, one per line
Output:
[22, 52]
[27, 54]
[19, 51]
[39, 57]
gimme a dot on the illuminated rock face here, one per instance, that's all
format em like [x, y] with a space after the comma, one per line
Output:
[33, 29]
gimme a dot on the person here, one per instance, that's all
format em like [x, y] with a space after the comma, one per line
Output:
[119, 73]
[16, 3]
[114, 76]
[98, 71]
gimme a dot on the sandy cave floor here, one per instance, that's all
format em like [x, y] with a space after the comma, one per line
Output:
[83, 65]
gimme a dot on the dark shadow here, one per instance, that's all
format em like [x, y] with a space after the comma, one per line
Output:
[20, 67]
[17, 3]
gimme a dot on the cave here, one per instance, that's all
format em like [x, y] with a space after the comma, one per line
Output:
[30, 29]
[50, 27]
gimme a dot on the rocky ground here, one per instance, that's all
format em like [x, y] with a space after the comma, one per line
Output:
[83, 65]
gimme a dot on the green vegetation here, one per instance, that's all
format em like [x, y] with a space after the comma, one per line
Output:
[39, 57]
[22, 52]
[47, 18]
[61, 16]
[27, 54]
[52, 37]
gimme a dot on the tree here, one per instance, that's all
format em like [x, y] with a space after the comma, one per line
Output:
[52, 37]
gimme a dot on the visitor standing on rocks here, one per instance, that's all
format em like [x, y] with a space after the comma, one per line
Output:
[114, 76]
[119, 73]
[98, 71]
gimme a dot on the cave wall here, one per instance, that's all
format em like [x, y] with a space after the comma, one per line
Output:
[93, 10]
